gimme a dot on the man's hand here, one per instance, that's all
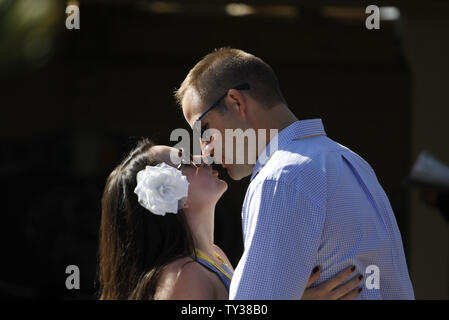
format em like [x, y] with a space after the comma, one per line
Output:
[333, 289]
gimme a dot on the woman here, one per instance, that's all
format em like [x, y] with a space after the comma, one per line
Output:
[156, 234]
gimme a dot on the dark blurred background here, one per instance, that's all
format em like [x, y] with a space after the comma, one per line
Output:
[73, 103]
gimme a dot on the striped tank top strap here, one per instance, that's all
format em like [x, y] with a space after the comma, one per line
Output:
[222, 271]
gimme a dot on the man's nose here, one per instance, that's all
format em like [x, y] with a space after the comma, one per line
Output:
[207, 147]
[208, 150]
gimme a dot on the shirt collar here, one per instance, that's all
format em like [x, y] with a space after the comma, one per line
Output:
[297, 130]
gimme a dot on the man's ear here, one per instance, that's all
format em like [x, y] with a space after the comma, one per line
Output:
[237, 101]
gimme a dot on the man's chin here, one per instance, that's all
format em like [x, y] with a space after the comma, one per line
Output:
[235, 173]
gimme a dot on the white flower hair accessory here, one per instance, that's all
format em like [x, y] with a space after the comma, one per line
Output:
[160, 188]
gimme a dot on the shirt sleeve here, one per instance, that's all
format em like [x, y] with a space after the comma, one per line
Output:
[281, 240]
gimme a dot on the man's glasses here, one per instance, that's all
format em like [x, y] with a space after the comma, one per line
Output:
[243, 86]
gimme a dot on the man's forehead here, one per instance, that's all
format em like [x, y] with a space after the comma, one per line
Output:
[192, 106]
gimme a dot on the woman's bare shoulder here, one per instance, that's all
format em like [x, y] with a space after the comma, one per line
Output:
[183, 279]
[176, 265]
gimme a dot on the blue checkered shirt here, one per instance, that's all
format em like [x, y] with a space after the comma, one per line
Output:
[317, 203]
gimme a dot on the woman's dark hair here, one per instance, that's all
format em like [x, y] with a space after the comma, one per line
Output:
[135, 244]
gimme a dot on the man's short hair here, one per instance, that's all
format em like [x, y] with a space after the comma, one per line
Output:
[226, 68]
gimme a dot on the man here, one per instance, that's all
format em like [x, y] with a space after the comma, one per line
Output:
[311, 201]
